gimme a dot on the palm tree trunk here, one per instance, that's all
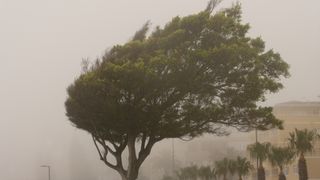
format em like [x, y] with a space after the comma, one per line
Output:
[281, 175]
[224, 177]
[302, 166]
[240, 177]
[261, 172]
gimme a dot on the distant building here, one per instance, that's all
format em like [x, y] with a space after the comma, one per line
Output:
[298, 115]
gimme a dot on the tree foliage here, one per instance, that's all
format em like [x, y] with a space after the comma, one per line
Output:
[193, 76]
[244, 166]
[280, 157]
[260, 152]
[227, 168]
[188, 173]
[222, 168]
[302, 141]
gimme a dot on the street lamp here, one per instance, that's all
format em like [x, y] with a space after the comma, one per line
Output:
[47, 166]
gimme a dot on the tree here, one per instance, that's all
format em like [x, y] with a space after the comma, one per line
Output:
[167, 177]
[260, 151]
[188, 173]
[222, 168]
[196, 75]
[302, 141]
[213, 175]
[232, 167]
[281, 156]
[205, 173]
[243, 167]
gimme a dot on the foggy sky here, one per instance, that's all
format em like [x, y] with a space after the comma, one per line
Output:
[42, 43]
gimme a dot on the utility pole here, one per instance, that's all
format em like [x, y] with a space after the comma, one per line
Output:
[49, 173]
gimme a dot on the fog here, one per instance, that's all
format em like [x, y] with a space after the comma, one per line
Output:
[42, 44]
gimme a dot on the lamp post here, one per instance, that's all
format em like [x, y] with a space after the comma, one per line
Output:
[47, 166]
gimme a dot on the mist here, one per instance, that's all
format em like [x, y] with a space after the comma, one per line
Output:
[43, 42]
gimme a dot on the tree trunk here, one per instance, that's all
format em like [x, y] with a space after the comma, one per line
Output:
[281, 174]
[132, 176]
[133, 168]
[224, 177]
[240, 177]
[302, 167]
[261, 172]
[126, 178]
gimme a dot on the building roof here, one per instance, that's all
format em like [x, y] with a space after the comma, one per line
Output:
[299, 104]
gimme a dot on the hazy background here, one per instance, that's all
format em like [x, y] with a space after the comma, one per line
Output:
[42, 43]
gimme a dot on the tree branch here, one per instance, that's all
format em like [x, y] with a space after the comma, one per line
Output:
[132, 159]
[104, 156]
[143, 154]
[143, 141]
[95, 144]
[105, 146]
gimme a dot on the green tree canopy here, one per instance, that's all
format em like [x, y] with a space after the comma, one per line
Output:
[281, 156]
[302, 141]
[205, 172]
[222, 168]
[260, 151]
[244, 167]
[193, 76]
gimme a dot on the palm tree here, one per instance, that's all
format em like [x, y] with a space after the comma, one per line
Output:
[260, 151]
[204, 172]
[182, 174]
[222, 168]
[243, 166]
[232, 166]
[281, 156]
[193, 172]
[167, 177]
[302, 141]
[188, 173]
[213, 175]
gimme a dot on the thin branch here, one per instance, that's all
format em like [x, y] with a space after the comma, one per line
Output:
[95, 143]
[105, 146]
[143, 154]
[117, 153]
[104, 156]
[143, 141]
[123, 144]
[105, 160]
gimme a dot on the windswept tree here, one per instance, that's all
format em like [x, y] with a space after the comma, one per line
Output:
[302, 141]
[195, 75]
[280, 157]
[260, 152]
